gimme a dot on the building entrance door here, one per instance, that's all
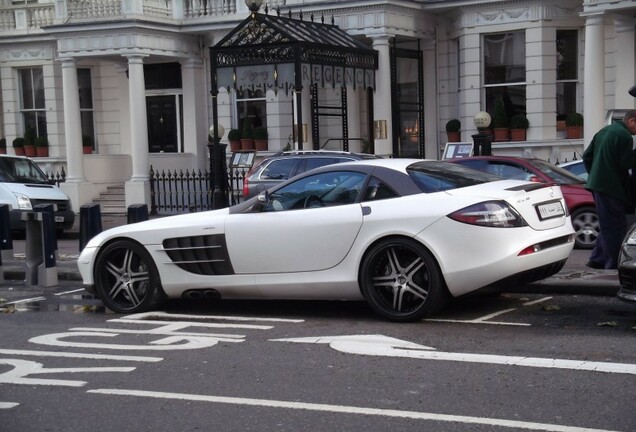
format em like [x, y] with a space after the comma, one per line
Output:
[162, 124]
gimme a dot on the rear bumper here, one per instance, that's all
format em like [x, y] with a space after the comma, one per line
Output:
[64, 220]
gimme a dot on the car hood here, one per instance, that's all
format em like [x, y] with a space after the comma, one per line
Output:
[35, 191]
[154, 231]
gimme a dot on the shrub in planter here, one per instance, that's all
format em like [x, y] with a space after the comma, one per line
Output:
[574, 126]
[18, 146]
[29, 144]
[234, 137]
[42, 146]
[453, 127]
[87, 144]
[247, 135]
[518, 126]
[3, 146]
[260, 138]
[500, 121]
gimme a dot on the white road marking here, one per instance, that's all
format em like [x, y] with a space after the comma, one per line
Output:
[343, 409]
[79, 355]
[28, 300]
[69, 292]
[23, 368]
[155, 332]
[541, 300]
[379, 345]
[165, 344]
[183, 324]
[8, 405]
[164, 315]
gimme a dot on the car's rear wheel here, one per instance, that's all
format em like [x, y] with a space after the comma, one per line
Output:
[126, 278]
[401, 280]
[585, 223]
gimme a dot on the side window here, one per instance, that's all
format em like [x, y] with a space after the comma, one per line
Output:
[377, 190]
[320, 190]
[509, 171]
[279, 169]
[316, 162]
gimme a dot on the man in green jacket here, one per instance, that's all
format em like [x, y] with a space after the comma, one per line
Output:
[608, 159]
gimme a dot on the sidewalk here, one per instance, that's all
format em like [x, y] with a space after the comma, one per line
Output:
[574, 278]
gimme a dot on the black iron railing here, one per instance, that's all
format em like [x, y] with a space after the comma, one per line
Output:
[174, 192]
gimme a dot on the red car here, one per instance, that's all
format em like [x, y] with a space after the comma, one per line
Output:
[580, 201]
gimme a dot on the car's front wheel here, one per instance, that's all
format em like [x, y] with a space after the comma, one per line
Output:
[585, 223]
[401, 280]
[126, 278]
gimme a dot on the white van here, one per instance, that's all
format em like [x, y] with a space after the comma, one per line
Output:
[23, 185]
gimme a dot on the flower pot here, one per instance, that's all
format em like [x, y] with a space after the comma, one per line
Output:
[247, 144]
[235, 145]
[19, 151]
[29, 150]
[574, 132]
[87, 150]
[3, 150]
[561, 125]
[453, 136]
[260, 144]
[517, 134]
[42, 151]
[502, 134]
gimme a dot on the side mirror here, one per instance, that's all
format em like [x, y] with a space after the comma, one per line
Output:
[263, 198]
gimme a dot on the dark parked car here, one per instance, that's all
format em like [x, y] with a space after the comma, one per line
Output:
[627, 267]
[282, 166]
[580, 201]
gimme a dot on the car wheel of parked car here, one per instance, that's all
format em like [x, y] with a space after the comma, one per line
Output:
[401, 281]
[585, 223]
[126, 278]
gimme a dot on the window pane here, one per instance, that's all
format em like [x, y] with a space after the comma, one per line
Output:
[567, 54]
[566, 97]
[27, 88]
[38, 87]
[505, 58]
[514, 98]
[85, 90]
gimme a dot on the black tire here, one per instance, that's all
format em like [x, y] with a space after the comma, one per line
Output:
[585, 223]
[126, 278]
[401, 281]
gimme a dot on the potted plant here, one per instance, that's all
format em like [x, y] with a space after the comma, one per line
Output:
[560, 119]
[42, 146]
[87, 144]
[260, 138]
[518, 127]
[18, 146]
[234, 137]
[574, 126]
[453, 127]
[500, 121]
[3, 146]
[247, 135]
[29, 144]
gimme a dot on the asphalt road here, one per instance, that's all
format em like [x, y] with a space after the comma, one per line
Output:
[518, 361]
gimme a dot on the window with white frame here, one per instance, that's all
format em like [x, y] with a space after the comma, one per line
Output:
[567, 72]
[504, 57]
[86, 106]
[33, 108]
[251, 109]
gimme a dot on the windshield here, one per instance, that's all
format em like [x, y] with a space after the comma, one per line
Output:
[440, 176]
[18, 170]
[559, 175]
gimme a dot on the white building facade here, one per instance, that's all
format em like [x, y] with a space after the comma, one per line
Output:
[132, 79]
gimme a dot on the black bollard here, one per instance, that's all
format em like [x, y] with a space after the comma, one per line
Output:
[137, 213]
[6, 241]
[40, 247]
[49, 231]
[90, 223]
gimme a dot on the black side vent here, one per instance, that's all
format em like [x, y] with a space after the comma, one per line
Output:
[203, 255]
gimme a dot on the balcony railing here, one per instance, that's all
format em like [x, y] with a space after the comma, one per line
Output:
[27, 17]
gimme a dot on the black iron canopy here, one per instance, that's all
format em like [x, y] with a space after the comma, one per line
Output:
[276, 52]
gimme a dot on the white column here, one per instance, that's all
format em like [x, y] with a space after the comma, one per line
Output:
[195, 127]
[75, 186]
[138, 187]
[382, 96]
[353, 119]
[594, 77]
[308, 141]
[625, 60]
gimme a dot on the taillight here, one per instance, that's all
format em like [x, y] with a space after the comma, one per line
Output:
[246, 187]
[496, 214]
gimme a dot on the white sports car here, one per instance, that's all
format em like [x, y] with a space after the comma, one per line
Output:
[402, 234]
